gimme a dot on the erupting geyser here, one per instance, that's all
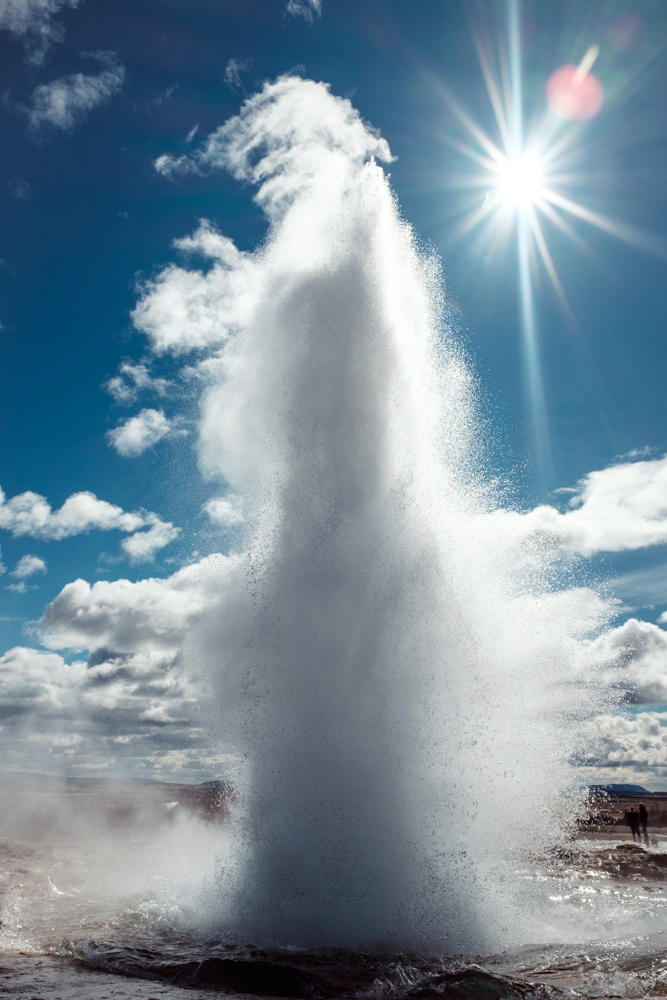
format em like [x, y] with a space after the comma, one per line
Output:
[393, 655]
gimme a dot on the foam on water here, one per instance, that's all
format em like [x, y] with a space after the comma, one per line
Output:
[394, 658]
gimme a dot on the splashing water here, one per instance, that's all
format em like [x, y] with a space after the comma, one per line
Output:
[395, 658]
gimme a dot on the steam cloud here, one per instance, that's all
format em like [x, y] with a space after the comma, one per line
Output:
[377, 604]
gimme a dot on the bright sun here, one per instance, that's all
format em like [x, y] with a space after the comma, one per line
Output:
[519, 181]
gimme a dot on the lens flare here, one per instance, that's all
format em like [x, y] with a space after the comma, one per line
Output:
[572, 96]
[573, 91]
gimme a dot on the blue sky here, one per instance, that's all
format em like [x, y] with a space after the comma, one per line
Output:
[87, 220]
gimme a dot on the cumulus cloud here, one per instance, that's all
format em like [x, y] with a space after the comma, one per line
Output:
[632, 658]
[629, 748]
[29, 514]
[142, 546]
[132, 699]
[139, 433]
[151, 614]
[27, 566]
[33, 21]
[135, 708]
[225, 511]
[64, 103]
[307, 9]
[133, 379]
[183, 309]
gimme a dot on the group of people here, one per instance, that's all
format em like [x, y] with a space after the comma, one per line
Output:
[635, 819]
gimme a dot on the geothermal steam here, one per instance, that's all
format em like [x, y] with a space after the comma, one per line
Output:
[394, 666]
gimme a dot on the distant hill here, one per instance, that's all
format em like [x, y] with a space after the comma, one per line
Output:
[620, 789]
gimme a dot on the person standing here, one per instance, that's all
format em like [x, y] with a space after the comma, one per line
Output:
[632, 819]
[643, 819]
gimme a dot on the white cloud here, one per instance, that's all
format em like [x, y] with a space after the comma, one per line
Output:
[133, 698]
[3, 568]
[27, 566]
[225, 511]
[305, 9]
[234, 69]
[143, 545]
[136, 708]
[182, 309]
[630, 748]
[151, 614]
[64, 103]
[631, 658]
[30, 514]
[621, 508]
[139, 433]
[132, 380]
[33, 21]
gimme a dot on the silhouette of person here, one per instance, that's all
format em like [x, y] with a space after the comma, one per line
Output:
[643, 819]
[632, 819]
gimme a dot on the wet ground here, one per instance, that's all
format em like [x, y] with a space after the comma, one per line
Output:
[88, 921]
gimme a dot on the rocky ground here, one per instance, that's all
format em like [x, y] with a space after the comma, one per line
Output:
[49, 978]
[627, 861]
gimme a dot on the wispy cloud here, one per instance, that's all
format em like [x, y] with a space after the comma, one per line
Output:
[137, 434]
[307, 9]
[233, 70]
[18, 189]
[64, 103]
[32, 20]
[29, 514]
[133, 379]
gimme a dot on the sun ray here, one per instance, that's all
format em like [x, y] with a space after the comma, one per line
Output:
[621, 230]
[492, 90]
[547, 260]
[560, 223]
[522, 182]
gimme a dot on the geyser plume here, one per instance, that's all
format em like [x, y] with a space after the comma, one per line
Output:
[395, 663]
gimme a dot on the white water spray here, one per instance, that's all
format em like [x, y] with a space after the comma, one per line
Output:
[396, 665]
